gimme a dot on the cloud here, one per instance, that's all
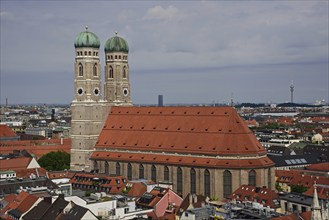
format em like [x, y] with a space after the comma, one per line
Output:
[160, 13]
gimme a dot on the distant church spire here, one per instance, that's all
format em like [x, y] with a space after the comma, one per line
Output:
[316, 209]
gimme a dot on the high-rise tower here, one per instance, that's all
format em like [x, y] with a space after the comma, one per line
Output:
[292, 92]
[88, 108]
[117, 86]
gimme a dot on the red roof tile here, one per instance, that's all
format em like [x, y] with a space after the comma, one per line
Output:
[36, 147]
[15, 163]
[319, 167]
[16, 202]
[210, 131]
[321, 190]
[206, 130]
[182, 160]
[6, 131]
[27, 203]
[264, 196]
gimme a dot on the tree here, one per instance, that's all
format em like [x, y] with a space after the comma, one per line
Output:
[55, 161]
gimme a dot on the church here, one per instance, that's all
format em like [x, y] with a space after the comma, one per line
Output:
[201, 150]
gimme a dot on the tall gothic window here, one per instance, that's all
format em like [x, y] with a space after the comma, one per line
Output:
[207, 183]
[141, 171]
[124, 73]
[95, 70]
[80, 69]
[166, 174]
[179, 180]
[118, 169]
[193, 180]
[227, 183]
[154, 173]
[111, 72]
[252, 178]
[106, 166]
[129, 172]
[269, 178]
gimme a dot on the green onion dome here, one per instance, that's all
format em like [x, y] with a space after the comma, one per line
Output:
[87, 39]
[116, 44]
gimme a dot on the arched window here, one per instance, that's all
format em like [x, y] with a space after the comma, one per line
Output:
[141, 171]
[207, 183]
[106, 166]
[252, 178]
[124, 73]
[118, 169]
[166, 174]
[95, 69]
[129, 172]
[227, 183]
[80, 69]
[179, 180]
[193, 181]
[111, 72]
[154, 173]
[269, 178]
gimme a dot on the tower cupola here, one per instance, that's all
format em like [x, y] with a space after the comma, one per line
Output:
[116, 44]
[87, 39]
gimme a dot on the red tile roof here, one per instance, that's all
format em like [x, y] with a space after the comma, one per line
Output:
[137, 189]
[210, 131]
[27, 203]
[6, 131]
[38, 148]
[300, 177]
[195, 130]
[16, 202]
[319, 167]
[115, 184]
[306, 215]
[321, 190]
[60, 174]
[264, 196]
[15, 163]
[182, 160]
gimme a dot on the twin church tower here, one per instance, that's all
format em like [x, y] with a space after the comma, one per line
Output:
[90, 107]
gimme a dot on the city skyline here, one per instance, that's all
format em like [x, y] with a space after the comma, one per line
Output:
[189, 52]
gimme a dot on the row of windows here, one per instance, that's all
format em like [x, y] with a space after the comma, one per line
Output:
[80, 69]
[80, 53]
[227, 178]
[110, 57]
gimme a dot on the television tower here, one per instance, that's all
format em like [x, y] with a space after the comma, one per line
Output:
[292, 92]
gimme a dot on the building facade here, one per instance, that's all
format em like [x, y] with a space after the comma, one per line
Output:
[197, 150]
[202, 150]
[89, 108]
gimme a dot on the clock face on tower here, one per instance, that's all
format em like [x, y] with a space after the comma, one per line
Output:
[96, 91]
[80, 91]
[125, 91]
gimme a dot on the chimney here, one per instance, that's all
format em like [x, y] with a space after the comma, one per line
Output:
[190, 198]
[195, 198]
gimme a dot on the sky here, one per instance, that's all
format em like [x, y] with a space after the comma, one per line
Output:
[188, 51]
